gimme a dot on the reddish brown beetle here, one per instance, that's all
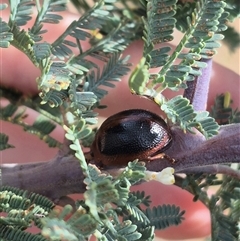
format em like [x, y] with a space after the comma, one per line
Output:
[129, 135]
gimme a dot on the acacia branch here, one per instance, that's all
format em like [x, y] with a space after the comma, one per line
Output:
[54, 179]
[193, 154]
[214, 169]
[197, 90]
[190, 154]
[63, 175]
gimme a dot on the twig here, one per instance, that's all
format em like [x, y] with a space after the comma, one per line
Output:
[63, 175]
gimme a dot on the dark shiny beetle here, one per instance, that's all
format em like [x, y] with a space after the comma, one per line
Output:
[129, 135]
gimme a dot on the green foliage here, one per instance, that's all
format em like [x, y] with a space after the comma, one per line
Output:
[232, 38]
[164, 216]
[16, 98]
[16, 198]
[23, 208]
[76, 79]
[9, 233]
[224, 205]
[59, 67]
[23, 41]
[110, 211]
[233, 9]
[200, 41]
[141, 198]
[181, 112]
[5, 35]
[75, 133]
[124, 231]
[55, 228]
[42, 127]
[159, 26]
[115, 68]
[21, 12]
[222, 111]
[4, 142]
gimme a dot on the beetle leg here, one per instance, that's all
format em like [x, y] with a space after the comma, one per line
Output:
[161, 156]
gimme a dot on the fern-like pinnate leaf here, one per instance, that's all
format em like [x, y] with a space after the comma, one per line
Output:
[5, 35]
[145, 200]
[42, 127]
[159, 27]
[21, 11]
[125, 231]
[96, 175]
[164, 216]
[81, 102]
[181, 112]
[201, 40]
[54, 98]
[134, 172]
[136, 214]
[226, 224]
[22, 207]
[57, 78]
[128, 231]
[105, 192]
[47, 13]
[147, 233]
[159, 217]
[9, 233]
[115, 68]
[138, 79]
[205, 124]
[57, 63]
[8, 111]
[42, 51]
[4, 142]
[76, 228]
[224, 215]
[224, 227]
[120, 36]
[91, 20]
[21, 199]
[183, 11]
[73, 69]
[23, 41]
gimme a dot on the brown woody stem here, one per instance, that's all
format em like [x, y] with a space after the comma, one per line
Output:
[62, 175]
